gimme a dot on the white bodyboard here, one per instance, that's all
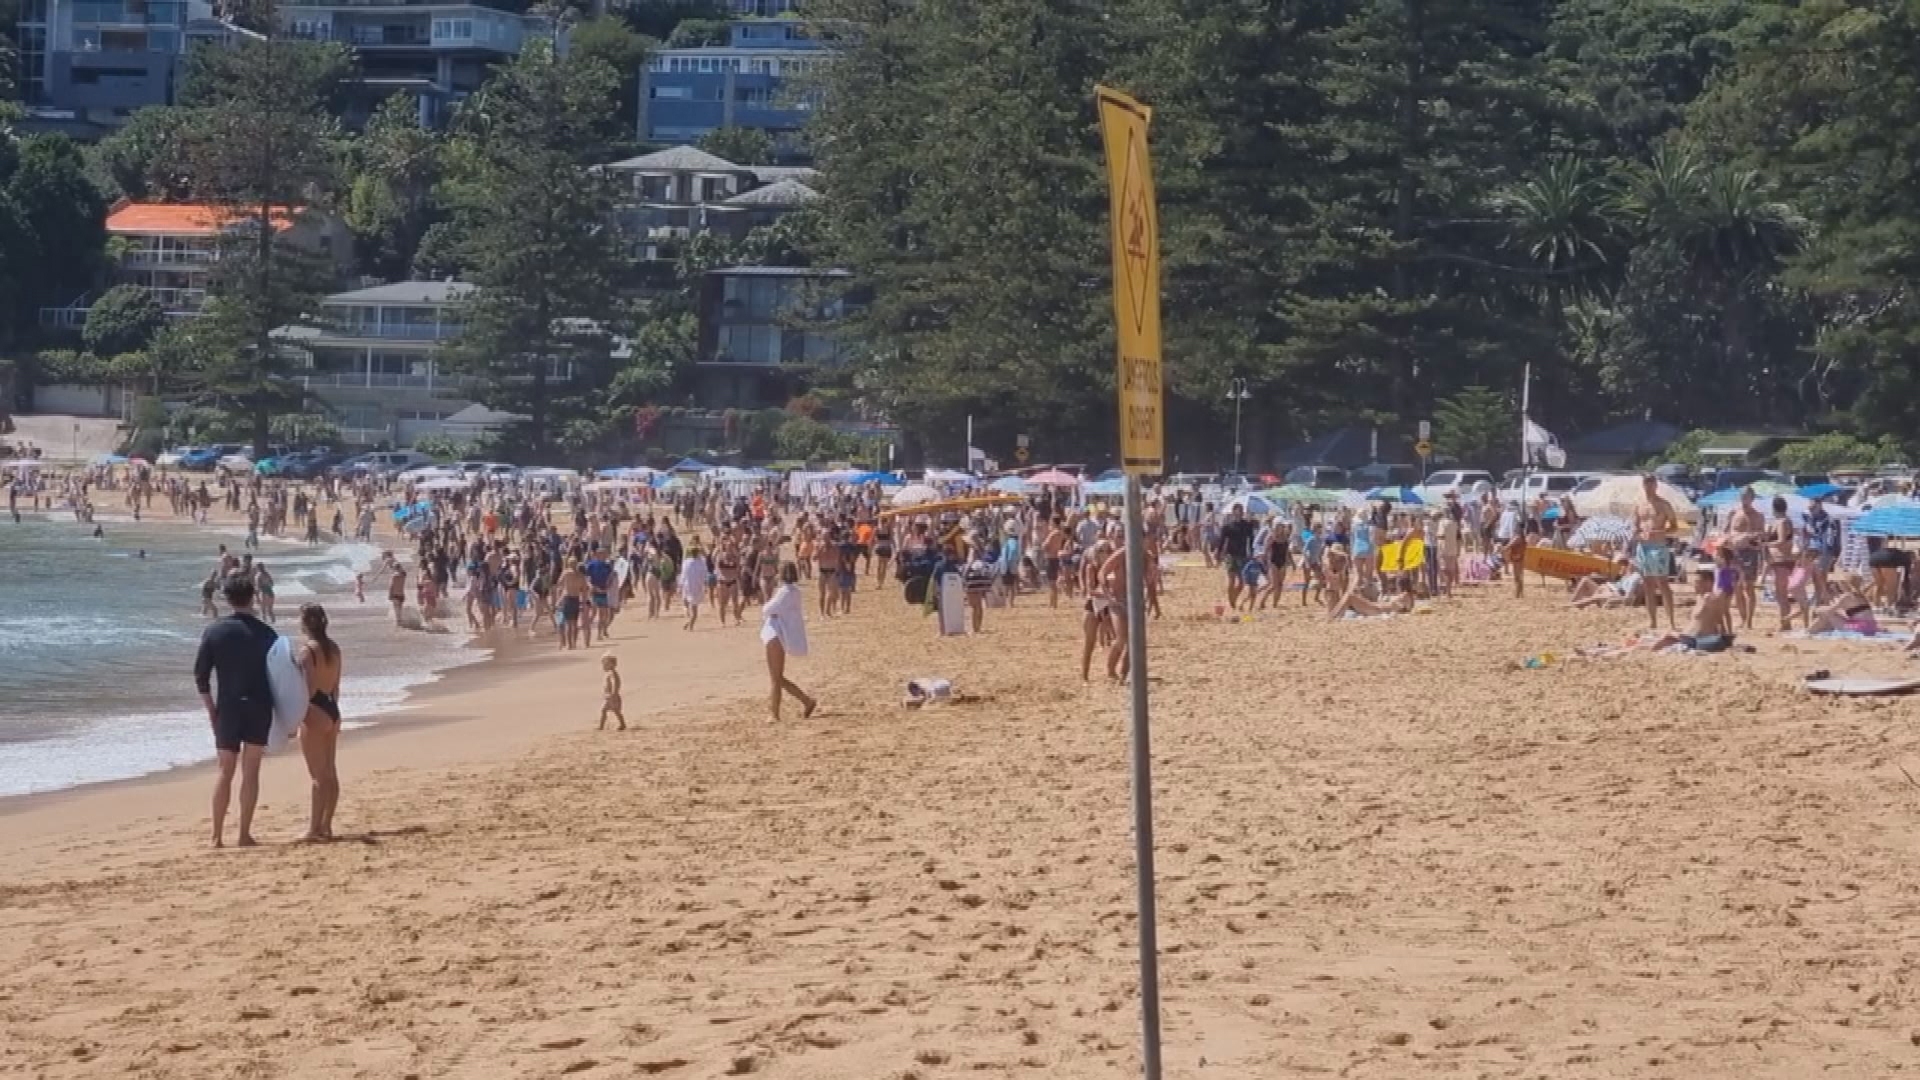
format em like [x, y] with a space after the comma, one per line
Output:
[953, 605]
[289, 693]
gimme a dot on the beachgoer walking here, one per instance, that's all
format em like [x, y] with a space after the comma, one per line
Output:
[321, 662]
[693, 584]
[610, 693]
[783, 630]
[1747, 533]
[233, 652]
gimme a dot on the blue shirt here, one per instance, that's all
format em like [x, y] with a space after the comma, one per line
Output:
[598, 573]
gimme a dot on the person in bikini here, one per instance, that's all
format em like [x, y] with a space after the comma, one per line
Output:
[1782, 560]
[1094, 621]
[1654, 524]
[726, 577]
[320, 661]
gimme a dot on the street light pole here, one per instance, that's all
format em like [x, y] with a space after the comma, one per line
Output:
[1237, 392]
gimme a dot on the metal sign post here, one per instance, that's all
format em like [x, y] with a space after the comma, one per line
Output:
[1136, 309]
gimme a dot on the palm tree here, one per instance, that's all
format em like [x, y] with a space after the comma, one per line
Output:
[1562, 219]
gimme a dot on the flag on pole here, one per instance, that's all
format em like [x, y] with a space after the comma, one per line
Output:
[1543, 447]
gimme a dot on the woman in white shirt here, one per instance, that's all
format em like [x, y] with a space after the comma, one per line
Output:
[693, 584]
[783, 629]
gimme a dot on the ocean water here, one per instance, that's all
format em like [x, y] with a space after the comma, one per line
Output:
[97, 644]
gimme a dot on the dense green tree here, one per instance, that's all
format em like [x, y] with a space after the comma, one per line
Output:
[260, 144]
[391, 204]
[1476, 426]
[145, 160]
[124, 319]
[531, 211]
[742, 146]
[49, 187]
[694, 33]
[610, 41]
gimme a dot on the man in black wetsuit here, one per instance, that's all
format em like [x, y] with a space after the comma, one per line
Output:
[235, 650]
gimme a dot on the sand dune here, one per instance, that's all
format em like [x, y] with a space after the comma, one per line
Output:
[1384, 853]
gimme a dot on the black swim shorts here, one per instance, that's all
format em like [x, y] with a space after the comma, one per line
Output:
[245, 721]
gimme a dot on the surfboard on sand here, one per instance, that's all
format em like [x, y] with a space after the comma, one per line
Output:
[1857, 687]
[1568, 565]
[289, 693]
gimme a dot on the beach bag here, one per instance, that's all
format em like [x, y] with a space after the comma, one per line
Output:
[916, 590]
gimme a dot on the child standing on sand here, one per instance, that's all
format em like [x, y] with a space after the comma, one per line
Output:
[610, 688]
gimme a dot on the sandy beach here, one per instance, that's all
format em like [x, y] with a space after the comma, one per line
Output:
[1385, 851]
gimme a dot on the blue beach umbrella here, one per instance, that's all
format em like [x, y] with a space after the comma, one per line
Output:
[1395, 494]
[1896, 521]
[108, 459]
[1820, 491]
[690, 465]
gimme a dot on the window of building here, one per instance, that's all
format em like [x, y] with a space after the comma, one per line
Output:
[753, 95]
[670, 93]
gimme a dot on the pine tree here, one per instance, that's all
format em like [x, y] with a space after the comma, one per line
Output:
[531, 214]
[260, 145]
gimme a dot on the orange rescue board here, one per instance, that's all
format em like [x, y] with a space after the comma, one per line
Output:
[1567, 565]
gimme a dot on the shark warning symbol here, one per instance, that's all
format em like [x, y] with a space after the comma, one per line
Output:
[1137, 226]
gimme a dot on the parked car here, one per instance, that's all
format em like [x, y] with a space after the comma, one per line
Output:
[1372, 476]
[240, 461]
[1532, 485]
[1324, 477]
[382, 463]
[1460, 480]
[170, 459]
[1739, 478]
[207, 458]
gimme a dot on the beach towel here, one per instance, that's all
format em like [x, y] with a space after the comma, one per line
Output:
[784, 619]
[1850, 635]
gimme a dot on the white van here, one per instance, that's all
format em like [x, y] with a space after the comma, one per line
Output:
[1434, 489]
[1551, 484]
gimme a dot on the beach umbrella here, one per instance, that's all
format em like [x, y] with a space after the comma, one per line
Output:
[1622, 496]
[1353, 500]
[874, 478]
[109, 459]
[950, 476]
[1104, 489]
[618, 485]
[1896, 521]
[690, 465]
[1604, 529]
[1053, 478]
[1301, 493]
[1882, 502]
[442, 483]
[1395, 494]
[1010, 485]
[673, 483]
[1821, 491]
[624, 472]
[915, 495]
[1718, 499]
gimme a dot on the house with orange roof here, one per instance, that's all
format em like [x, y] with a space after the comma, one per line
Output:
[169, 249]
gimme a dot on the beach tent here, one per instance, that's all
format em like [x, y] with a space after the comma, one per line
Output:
[1301, 493]
[618, 485]
[915, 495]
[626, 472]
[728, 474]
[1902, 522]
[690, 465]
[1623, 496]
[950, 476]
[443, 483]
[1010, 485]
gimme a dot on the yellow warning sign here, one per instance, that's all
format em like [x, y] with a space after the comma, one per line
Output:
[1136, 280]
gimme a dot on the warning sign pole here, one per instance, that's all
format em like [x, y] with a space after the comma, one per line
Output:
[1136, 308]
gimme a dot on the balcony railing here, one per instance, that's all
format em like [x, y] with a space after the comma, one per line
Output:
[166, 257]
[396, 331]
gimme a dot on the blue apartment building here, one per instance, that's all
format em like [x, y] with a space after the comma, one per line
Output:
[435, 51]
[757, 80]
[88, 65]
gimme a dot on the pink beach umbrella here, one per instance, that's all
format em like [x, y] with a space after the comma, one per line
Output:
[1053, 478]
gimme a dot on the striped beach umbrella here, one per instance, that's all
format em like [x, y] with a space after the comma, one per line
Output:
[1895, 521]
[1605, 529]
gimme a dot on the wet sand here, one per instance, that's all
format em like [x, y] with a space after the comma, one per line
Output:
[1386, 851]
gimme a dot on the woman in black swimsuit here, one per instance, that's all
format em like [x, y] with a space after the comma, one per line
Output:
[319, 659]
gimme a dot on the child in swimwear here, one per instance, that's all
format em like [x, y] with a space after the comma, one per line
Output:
[610, 688]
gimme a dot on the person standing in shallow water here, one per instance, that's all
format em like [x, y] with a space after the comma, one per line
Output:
[321, 662]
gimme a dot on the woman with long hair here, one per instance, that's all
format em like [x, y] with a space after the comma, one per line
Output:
[320, 661]
[783, 629]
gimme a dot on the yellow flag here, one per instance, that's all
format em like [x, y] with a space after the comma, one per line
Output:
[1136, 280]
